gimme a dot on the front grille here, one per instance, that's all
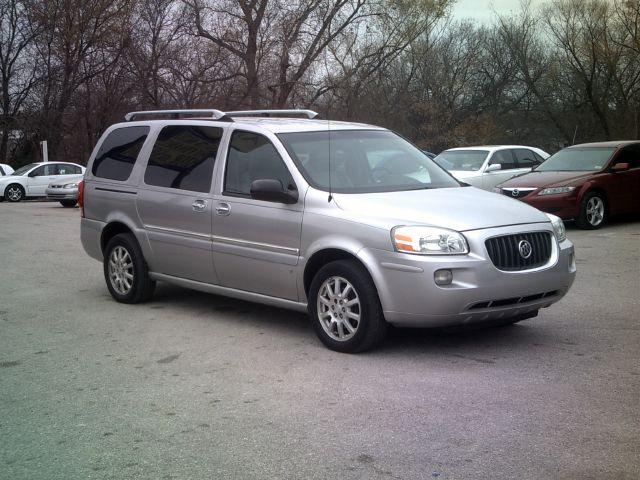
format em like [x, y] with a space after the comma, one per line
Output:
[517, 193]
[506, 255]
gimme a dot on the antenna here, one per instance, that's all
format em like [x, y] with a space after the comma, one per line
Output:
[329, 135]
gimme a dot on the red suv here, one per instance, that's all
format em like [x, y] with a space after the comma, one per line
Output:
[585, 183]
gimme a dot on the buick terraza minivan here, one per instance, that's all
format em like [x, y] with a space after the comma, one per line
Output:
[348, 222]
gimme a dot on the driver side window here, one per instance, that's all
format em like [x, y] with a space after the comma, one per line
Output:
[43, 170]
[252, 157]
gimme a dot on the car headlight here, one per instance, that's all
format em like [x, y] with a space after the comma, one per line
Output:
[556, 190]
[70, 185]
[428, 241]
[558, 227]
[497, 190]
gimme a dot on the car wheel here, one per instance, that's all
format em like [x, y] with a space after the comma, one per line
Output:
[125, 270]
[593, 211]
[14, 193]
[68, 203]
[345, 309]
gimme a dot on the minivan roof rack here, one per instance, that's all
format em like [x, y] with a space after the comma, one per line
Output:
[269, 113]
[220, 115]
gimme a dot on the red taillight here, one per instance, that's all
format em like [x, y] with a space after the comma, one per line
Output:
[81, 197]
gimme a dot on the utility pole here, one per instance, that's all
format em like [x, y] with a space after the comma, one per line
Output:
[45, 151]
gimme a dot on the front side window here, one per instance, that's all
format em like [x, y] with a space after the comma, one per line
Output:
[360, 161]
[526, 158]
[66, 169]
[577, 159]
[253, 157]
[44, 171]
[504, 158]
[183, 157]
[630, 155]
[462, 160]
[23, 170]
[118, 153]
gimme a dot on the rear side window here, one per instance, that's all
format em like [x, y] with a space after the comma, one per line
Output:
[253, 157]
[118, 153]
[630, 155]
[66, 169]
[183, 158]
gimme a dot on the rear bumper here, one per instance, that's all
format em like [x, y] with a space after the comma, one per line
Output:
[479, 292]
[90, 236]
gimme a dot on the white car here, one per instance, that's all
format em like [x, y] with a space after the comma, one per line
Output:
[32, 180]
[5, 169]
[486, 167]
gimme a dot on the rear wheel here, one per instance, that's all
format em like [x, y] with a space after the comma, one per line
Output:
[592, 211]
[125, 270]
[14, 192]
[68, 203]
[345, 309]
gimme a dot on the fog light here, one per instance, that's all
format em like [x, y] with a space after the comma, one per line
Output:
[443, 277]
[572, 262]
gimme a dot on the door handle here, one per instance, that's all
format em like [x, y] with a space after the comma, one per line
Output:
[223, 209]
[199, 205]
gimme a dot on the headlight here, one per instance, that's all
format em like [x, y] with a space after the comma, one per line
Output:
[70, 185]
[558, 227]
[428, 241]
[497, 190]
[556, 190]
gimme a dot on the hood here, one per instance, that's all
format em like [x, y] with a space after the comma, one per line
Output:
[462, 174]
[546, 179]
[462, 208]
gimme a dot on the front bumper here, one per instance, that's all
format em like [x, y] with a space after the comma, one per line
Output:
[564, 206]
[61, 193]
[479, 292]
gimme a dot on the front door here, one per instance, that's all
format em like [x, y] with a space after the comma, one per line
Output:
[256, 243]
[174, 201]
[508, 169]
[40, 178]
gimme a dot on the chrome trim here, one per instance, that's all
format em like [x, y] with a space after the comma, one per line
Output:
[262, 246]
[553, 257]
[177, 231]
[231, 292]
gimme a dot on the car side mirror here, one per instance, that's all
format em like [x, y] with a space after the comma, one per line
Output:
[271, 190]
[494, 167]
[620, 167]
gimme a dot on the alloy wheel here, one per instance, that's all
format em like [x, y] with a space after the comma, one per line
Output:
[595, 211]
[121, 270]
[14, 194]
[338, 308]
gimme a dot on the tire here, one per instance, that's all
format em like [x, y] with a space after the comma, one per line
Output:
[68, 203]
[331, 324]
[14, 192]
[123, 256]
[593, 211]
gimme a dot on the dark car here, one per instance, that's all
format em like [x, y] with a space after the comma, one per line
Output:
[585, 183]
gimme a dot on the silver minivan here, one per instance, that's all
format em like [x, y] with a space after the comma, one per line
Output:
[348, 222]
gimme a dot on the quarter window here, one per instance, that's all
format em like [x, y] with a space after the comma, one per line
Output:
[118, 153]
[183, 158]
[504, 158]
[253, 157]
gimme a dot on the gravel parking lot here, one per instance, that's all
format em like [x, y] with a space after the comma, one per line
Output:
[195, 386]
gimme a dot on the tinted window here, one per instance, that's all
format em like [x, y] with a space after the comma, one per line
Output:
[1, 170]
[118, 153]
[526, 158]
[630, 155]
[66, 169]
[253, 157]
[183, 158]
[577, 159]
[44, 170]
[462, 160]
[504, 158]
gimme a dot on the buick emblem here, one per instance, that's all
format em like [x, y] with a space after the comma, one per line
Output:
[525, 249]
[514, 193]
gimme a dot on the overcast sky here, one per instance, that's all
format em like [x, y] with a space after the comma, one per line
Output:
[485, 10]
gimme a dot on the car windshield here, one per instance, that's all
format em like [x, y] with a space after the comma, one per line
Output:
[25, 169]
[462, 160]
[359, 161]
[577, 159]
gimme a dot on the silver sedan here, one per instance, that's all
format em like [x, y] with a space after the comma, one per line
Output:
[65, 191]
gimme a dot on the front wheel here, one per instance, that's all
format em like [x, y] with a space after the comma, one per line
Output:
[592, 211]
[345, 309]
[14, 193]
[125, 270]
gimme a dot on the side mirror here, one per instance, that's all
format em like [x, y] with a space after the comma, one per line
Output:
[620, 167]
[494, 167]
[271, 190]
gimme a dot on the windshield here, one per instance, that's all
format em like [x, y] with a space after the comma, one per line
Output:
[577, 159]
[462, 160]
[363, 161]
[25, 169]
